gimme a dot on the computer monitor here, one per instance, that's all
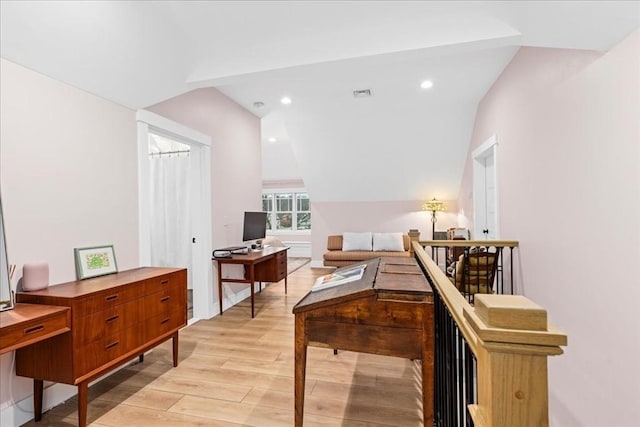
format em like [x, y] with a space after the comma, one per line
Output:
[255, 226]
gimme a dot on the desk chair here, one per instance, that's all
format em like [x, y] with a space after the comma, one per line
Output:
[475, 272]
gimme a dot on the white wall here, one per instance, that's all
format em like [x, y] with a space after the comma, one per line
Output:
[68, 179]
[568, 131]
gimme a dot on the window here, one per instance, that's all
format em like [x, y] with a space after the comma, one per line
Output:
[287, 211]
[303, 212]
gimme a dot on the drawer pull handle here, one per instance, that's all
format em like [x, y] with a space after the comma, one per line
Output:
[111, 319]
[164, 299]
[34, 329]
[163, 321]
[164, 282]
[111, 298]
[113, 344]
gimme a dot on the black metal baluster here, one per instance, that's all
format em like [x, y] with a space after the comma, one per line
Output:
[511, 269]
[460, 377]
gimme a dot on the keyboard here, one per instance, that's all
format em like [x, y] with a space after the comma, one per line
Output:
[232, 248]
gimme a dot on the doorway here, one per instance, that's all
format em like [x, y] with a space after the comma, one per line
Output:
[170, 219]
[485, 191]
[188, 182]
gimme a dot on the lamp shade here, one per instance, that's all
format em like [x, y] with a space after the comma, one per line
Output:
[433, 206]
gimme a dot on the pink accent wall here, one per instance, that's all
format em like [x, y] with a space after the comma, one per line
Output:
[389, 216]
[69, 179]
[568, 130]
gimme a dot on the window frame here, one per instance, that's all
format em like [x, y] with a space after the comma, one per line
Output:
[272, 193]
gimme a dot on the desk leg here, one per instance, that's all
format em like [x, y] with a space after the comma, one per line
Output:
[83, 394]
[300, 367]
[219, 264]
[251, 279]
[38, 389]
[285, 282]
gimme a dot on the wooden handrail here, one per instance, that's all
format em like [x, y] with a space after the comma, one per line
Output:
[463, 243]
[511, 340]
[451, 296]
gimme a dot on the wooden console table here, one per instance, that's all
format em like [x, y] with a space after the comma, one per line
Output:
[267, 265]
[388, 312]
[28, 324]
[114, 319]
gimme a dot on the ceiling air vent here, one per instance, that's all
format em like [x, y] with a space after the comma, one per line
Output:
[363, 93]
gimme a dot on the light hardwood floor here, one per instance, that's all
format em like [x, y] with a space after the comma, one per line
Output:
[238, 371]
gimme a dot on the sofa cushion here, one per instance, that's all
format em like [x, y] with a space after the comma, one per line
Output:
[355, 256]
[392, 242]
[334, 243]
[357, 241]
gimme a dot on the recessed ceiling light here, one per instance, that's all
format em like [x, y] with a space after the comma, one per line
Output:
[286, 100]
[426, 84]
[272, 139]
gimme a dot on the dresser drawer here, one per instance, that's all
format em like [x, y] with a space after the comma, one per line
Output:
[109, 299]
[97, 353]
[282, 266]
[106, 322]
[164, 282]
[164, 323]
[22, 333]
[163, 303]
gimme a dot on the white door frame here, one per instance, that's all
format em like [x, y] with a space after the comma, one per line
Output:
[203, 298]
[486, 150]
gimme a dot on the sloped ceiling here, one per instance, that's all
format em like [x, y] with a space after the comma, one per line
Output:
[402, 143]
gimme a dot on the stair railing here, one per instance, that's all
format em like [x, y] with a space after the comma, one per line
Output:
[490, 362]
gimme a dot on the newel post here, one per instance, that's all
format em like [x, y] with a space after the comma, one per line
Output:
[414, 236]
[514, 343]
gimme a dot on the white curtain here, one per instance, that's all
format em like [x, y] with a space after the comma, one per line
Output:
[170, 211]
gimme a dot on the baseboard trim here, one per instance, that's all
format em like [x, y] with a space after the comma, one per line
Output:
[231, 300]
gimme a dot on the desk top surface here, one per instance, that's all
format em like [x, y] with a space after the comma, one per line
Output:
[21, 313]
[388, 275]
[252, 256]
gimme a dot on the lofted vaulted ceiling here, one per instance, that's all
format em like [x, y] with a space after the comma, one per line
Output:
[402, 143]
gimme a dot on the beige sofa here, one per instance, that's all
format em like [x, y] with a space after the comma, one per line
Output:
[336, 257]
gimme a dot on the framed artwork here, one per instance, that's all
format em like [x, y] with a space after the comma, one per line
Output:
[95, 261]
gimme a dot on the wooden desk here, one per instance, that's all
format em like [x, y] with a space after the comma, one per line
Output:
[267, 265]
[388, 312]
[114, 319]
[28, 324]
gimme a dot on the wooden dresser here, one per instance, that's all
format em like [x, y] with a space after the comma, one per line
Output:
[114, 319]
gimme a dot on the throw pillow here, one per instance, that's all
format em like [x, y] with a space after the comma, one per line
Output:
[356, 241]
[390, 242]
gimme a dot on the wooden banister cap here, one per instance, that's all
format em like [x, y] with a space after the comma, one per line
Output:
[510, 312]
[513, 319]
